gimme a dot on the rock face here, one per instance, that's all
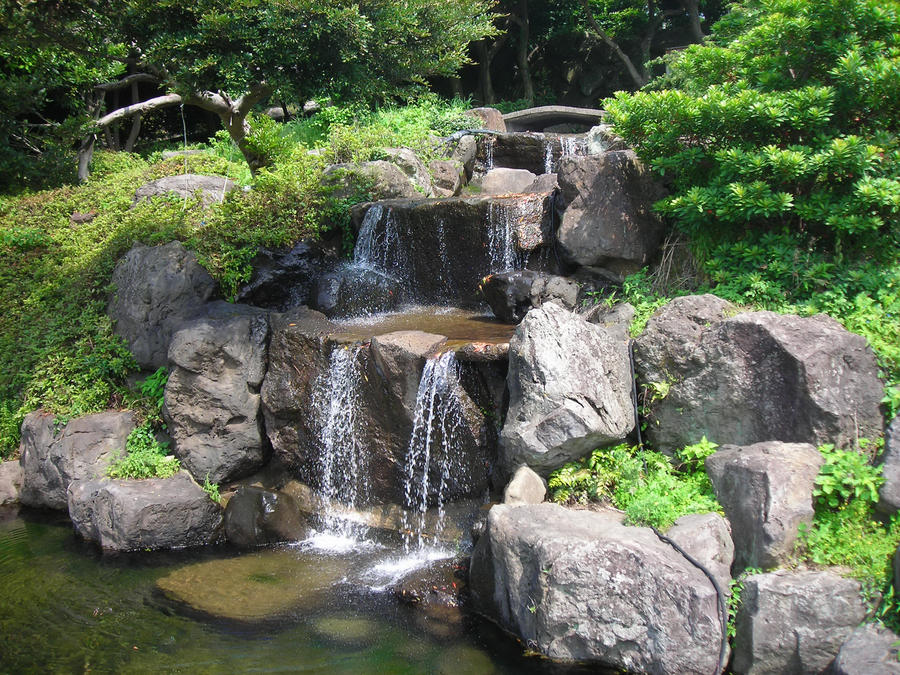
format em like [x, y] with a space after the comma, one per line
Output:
[376, 180]
[870, 650]
[131, 515]
[708, 539]
[616, 319]
[448, 176]
[754, 377]
[400, 357]
[506, 181]
[525, 487]
[414, 168]
[569, 391]
[766, 491]
[212, 188]
[512, 294]
[488, 118]
[580, 586]
[794, 622]
[255, 517]
[439, 250]
[157, 288]
[212, 401]
[889, 494]
[283, 279]
[11, 477]
[55, 455]
[608, 221]
[351, 290]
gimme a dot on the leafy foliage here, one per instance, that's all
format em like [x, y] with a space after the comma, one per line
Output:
[144, 457]
[212, 489]
[846, 475]
[736, 589]
[642, 483]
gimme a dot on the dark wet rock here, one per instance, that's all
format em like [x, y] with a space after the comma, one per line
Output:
[439, 583]
[707, 538]
[607, 218]
[616, 319]
[410, 164]
[766, 491]
[504, 181]
[133, 515]
[399, 358]
[525, 487]
[184, 186]
[448, 176]
[11, 478]
[156, 289]
[488, 118]
[256, 586]
[756, 376]
[56, 452]
[512, 294]
[519, 151]
[483, 352]
[569, 391]
[794, 622]
[352, 290]
[546, 182]
[378, 179]
[283, 279]
[889, 494]
[870, 650]
[443, 248]
[212, 401]
[581, 586]
[255, 517]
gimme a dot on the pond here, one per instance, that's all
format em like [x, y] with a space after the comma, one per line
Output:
[67, 608]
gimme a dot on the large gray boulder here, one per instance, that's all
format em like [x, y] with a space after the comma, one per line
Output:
[212, 189]
[707, 538]
[448, 176]
[409, 163]
[794, 622]
[581, 586]
[378, 179]
[569, 391]
[502, 181]
[133, 515]
[608, 219]
[756, 376]
[512, 294]
[11, 477]
[488, 118]
[156, 289]
[212, 401]
[766, 491]
[870, 650]
[399, 358]
[55, 454]
[525, 487]
[889, 494]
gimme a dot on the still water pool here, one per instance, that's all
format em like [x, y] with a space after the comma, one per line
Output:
[66, 608]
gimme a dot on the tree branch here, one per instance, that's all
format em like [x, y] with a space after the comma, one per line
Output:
[639, 79]
[135, 108]
[126, 81]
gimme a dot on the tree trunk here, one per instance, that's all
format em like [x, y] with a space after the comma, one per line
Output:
[639, 78]
[485, 85]
[135, 121]
[521, 20]
[692, 7]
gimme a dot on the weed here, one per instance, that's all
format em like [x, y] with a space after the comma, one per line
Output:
[212, 489]
[846, 475]
[144, 457]
[736, 589]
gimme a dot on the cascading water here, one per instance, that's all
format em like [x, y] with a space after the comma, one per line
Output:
[433, 443]
[569, 146]
[489, 152]
[504, 255]
[378, 244]
[342, 460]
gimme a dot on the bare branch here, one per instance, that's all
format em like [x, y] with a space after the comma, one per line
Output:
[136, 108]
[639, 79]
[256, 94]
[126, 82]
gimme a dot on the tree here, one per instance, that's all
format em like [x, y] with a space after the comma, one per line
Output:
[786, 119]
[227, 56]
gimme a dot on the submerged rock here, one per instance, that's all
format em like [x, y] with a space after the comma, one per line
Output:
[794, 622]
[135, 515]
[11, 477]
[350, 631]
[156, 289]
[569, 391]
[757, 376]
[255, 586]
[766, 490]
[212, 402]
[56, 453]
[608, 219]
[580, 586]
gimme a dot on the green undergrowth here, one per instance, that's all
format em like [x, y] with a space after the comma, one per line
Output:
[646, 485]
[144, 457]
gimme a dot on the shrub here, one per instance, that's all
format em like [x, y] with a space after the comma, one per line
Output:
[144, 457]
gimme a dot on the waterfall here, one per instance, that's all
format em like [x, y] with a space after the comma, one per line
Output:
[489, 152]
[432, 444]
[341, 462]
[378, 244]
[548, 156]
[502, 219]
[569, 146]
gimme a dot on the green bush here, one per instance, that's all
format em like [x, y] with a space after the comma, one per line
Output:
[144, 457]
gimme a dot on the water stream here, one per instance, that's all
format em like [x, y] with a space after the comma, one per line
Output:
[502, 219]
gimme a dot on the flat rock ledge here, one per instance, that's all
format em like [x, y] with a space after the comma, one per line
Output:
[579, 586]
[156, 513]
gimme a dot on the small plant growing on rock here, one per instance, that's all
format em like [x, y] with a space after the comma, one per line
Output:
[145, 457]
[846, 475]
[154, 388]
[212, 489]
[734, 597]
